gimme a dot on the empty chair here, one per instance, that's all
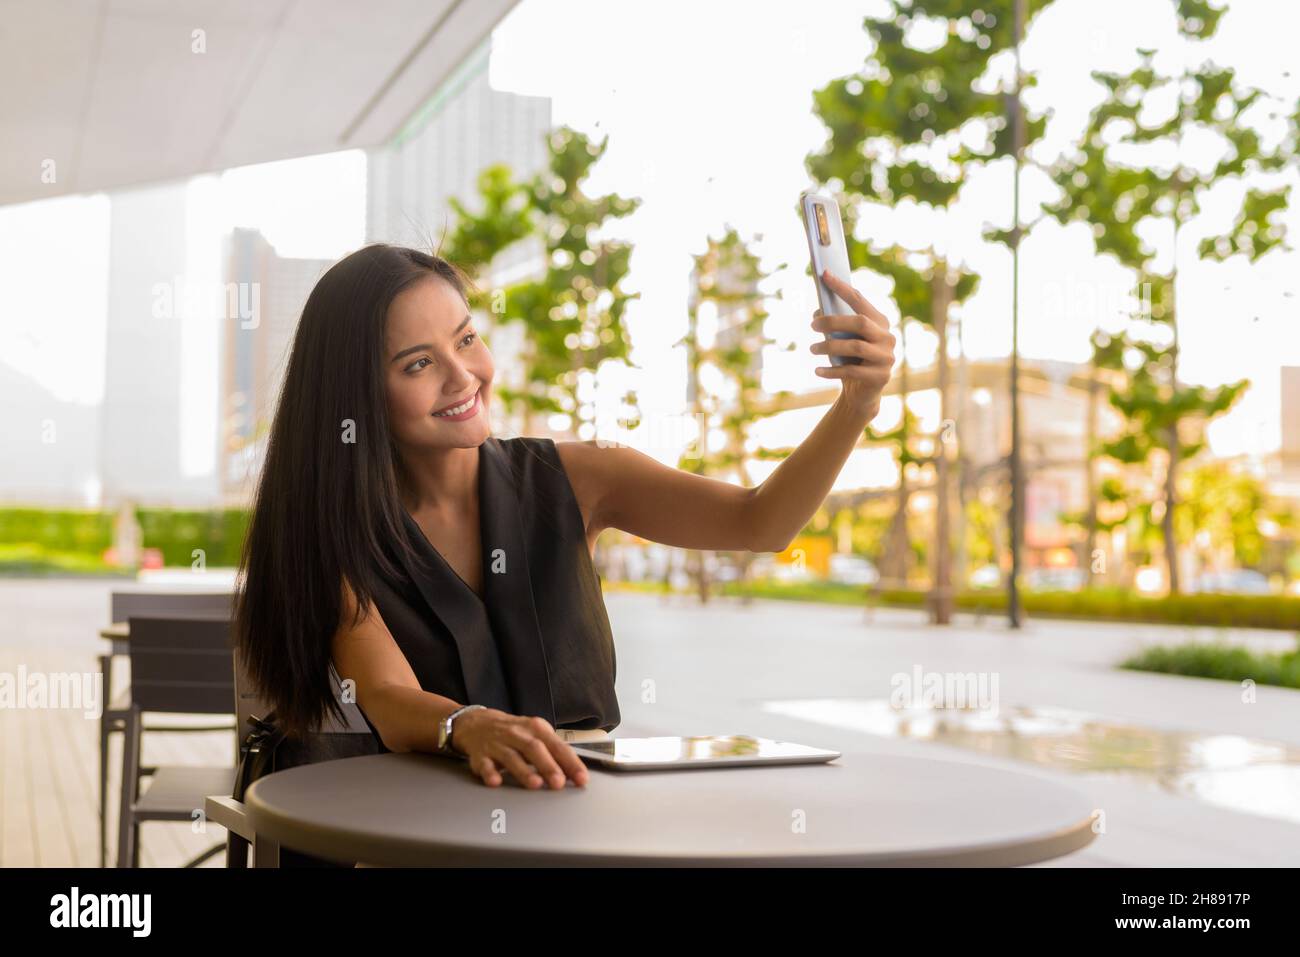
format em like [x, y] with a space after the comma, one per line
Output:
[351, 737]
[122, 605]
[179, 665]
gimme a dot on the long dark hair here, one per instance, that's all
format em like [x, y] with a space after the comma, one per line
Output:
[329, 491]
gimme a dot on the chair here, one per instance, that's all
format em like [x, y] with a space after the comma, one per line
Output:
[233, 815]
[179, 665]
[224, 808]
[122, 606]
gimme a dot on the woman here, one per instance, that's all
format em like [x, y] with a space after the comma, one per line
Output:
[435, 566]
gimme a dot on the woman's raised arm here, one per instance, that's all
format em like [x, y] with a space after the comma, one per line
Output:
[620, 487]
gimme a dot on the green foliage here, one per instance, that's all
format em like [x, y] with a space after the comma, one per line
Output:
[88, 531]
[727, 276]
[1113, 507]
[906, 100]
[908, 128]
[177, 533]
[1226, 506]
[76, 539]
[1120, 181]
[1225, 662]
[901, 437]
[982, 521]
[507, 217]
[1152, 407]
[870, 522]
[1281, 612]
[31, 560]
[901, 129]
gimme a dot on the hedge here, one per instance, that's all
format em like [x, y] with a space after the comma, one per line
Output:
[176, 533]
[88, 531]
[33, 540]
[1236, 664]
[28, 560]
[1224, 611]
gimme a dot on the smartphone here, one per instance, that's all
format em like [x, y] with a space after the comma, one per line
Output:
[826, 246]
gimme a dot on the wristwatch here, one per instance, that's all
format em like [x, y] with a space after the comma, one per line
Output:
[445, 745]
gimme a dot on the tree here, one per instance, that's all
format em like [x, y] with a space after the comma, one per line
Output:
[1107, 357]
[506, 218]
[918, 293]
[1121, 181]
[907, 129]
[1222, 515]
[726, 394]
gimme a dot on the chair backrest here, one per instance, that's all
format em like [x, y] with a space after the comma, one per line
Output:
[181, 663]
[248, 703]
[354, 722]
[124, 604]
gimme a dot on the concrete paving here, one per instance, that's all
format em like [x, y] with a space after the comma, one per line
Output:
[684, 669]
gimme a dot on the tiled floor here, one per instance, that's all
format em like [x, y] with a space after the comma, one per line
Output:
[49, 774]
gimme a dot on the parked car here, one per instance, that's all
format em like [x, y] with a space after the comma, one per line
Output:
[852, 570]
[790, 572]
[1240, 581]
[724, 570]
[986, 576]
[1055, 579]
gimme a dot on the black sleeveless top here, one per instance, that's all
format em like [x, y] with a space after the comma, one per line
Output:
[539, 642]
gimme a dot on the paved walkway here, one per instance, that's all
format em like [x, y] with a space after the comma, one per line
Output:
[49, 759]
[714, 670]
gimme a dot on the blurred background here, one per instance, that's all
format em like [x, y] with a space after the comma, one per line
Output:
[1080, 218]
[155, 272]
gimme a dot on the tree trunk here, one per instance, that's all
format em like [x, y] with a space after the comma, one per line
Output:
[701, 575]
[893, 570]
[745, 562]
[1171, 467]
[1167, 520]
[961, 558]
[893, 557]
[1090, 474]
[942, 599]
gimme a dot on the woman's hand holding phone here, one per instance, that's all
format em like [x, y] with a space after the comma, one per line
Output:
[527, 747]
[861, 383]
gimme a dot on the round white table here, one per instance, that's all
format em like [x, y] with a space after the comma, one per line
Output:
[862, 809]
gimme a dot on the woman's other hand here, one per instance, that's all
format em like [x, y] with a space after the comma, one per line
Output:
[862, 383]
[527, 747]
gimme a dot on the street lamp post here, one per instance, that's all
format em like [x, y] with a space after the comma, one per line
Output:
[1015, 614]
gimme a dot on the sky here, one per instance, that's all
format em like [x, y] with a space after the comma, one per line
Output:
[707, 106]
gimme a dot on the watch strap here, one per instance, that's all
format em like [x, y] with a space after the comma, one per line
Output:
[446, 743]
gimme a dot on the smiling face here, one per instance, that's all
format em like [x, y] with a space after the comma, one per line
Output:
[435, 361]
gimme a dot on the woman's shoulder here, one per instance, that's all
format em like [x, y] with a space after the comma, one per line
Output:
[570, 460]
[526, 453]
[520, 444]
[561, 468]
[533, 460]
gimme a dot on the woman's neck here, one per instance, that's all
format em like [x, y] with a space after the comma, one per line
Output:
[441, 480]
